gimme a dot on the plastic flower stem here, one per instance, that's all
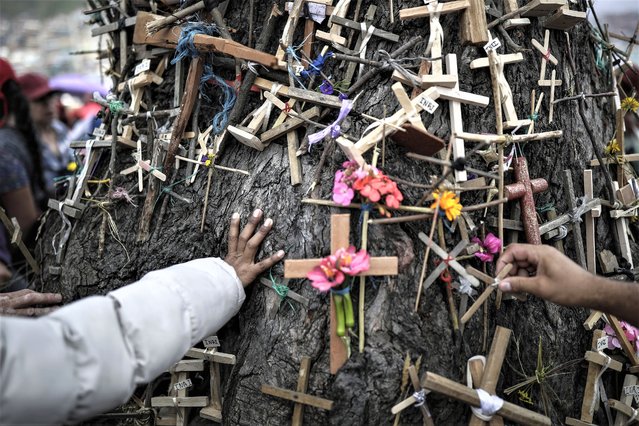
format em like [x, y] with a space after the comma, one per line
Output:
[339, 314]
[349, 319]
[362, 279]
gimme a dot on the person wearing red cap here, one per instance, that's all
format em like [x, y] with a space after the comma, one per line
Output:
[51, 132]
[22, 190]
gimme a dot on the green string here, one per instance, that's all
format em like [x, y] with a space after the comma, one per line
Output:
[281, 290]
[116, 106]
[544, 209]
[534, 117]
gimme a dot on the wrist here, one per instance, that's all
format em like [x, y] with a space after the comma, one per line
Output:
[596, 296]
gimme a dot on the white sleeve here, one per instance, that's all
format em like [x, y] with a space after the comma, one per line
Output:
[88, 357]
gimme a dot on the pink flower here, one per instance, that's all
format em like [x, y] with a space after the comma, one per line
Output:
[488, 248]
[351, 262]
[632, 334]
[342, 193]
[325, 276]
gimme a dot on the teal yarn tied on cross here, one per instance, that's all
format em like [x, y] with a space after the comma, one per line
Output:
[281, 290]
[186, 48]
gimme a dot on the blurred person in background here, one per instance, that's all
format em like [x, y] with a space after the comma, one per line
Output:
[22, 189]
[51, 132]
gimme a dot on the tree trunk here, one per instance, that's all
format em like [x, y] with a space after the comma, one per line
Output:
[268, 344]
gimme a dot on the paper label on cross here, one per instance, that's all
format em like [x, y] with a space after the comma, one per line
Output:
[493, 44]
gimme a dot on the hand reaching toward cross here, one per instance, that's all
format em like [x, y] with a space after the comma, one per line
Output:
[24, 303]
[243, 247]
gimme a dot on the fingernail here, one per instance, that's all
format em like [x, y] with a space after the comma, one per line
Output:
[235, 216]
[505, 286]
[280, 253]
[257, 213]
[268, 222]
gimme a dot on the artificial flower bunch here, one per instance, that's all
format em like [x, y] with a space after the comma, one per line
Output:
[370, 183]
[632, 334]
[487, 248]
[330, 275]
[448, 203]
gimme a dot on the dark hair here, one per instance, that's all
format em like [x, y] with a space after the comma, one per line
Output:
[19, 107]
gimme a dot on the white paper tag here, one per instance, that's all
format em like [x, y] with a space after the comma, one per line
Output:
[184, 384]
[99, 132]
[428, 104]
[493, 44]
[298, 69]
[317, 11]
[211, 342]
[631, 390]
[164, 137]
[145, 65]
[602, 343]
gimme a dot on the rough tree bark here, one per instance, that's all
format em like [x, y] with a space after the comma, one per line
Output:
[269, 346]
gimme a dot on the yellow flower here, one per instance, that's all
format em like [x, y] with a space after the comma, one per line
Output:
[72, 166]
[612, 148]
[207, 163]
[449, 203]
[630, 104]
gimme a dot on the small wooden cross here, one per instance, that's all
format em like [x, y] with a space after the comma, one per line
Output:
[492, 368]
[596, 361]
[299, 395]
[13, 229]
[499, 80]
[491, 285]
[213, 410]
[339, 11]
[546, 56]
[433, 10]
[418, 398]
[523, 191]
[623, 406]
[368, 31]
[369, 18]
[537, 8]
[488, 383]
[449, 259]
[340, 231]
[564, 19]
[180, 383]
[314, 11]
[259, 118]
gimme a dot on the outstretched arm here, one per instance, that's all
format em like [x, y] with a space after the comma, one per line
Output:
[88, 357]
[545, 272]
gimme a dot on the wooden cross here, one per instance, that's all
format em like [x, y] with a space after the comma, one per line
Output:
[532, 9]
[369, 18]
[564, 19]
[499, 80]
[622, 158]
[294, 14]
[180, 383]
[418, 398]
[623, 406]
[434, 48]
[299, 395]
[13, 229]
[491, 285]
[313, 11]
[142, 165]
[546, 56]
[259, 119]
[416, 138]
[516, 20]
[168, 38]
[596, 361]
[273, 308]
[213, 410]
[629, 193]
[449, 259]
[367, 31]
[621, 226]
[523, 191]
[490, 374]
[591, 259]
[340, 231]
[488, 383]
[424, 101]
[334, 36]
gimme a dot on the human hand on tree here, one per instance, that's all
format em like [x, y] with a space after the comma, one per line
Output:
[243, 247]
[24, 303]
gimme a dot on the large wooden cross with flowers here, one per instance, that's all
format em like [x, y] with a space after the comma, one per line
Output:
[340, 231]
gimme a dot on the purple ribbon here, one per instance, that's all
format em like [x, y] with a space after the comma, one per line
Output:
[334, 129]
